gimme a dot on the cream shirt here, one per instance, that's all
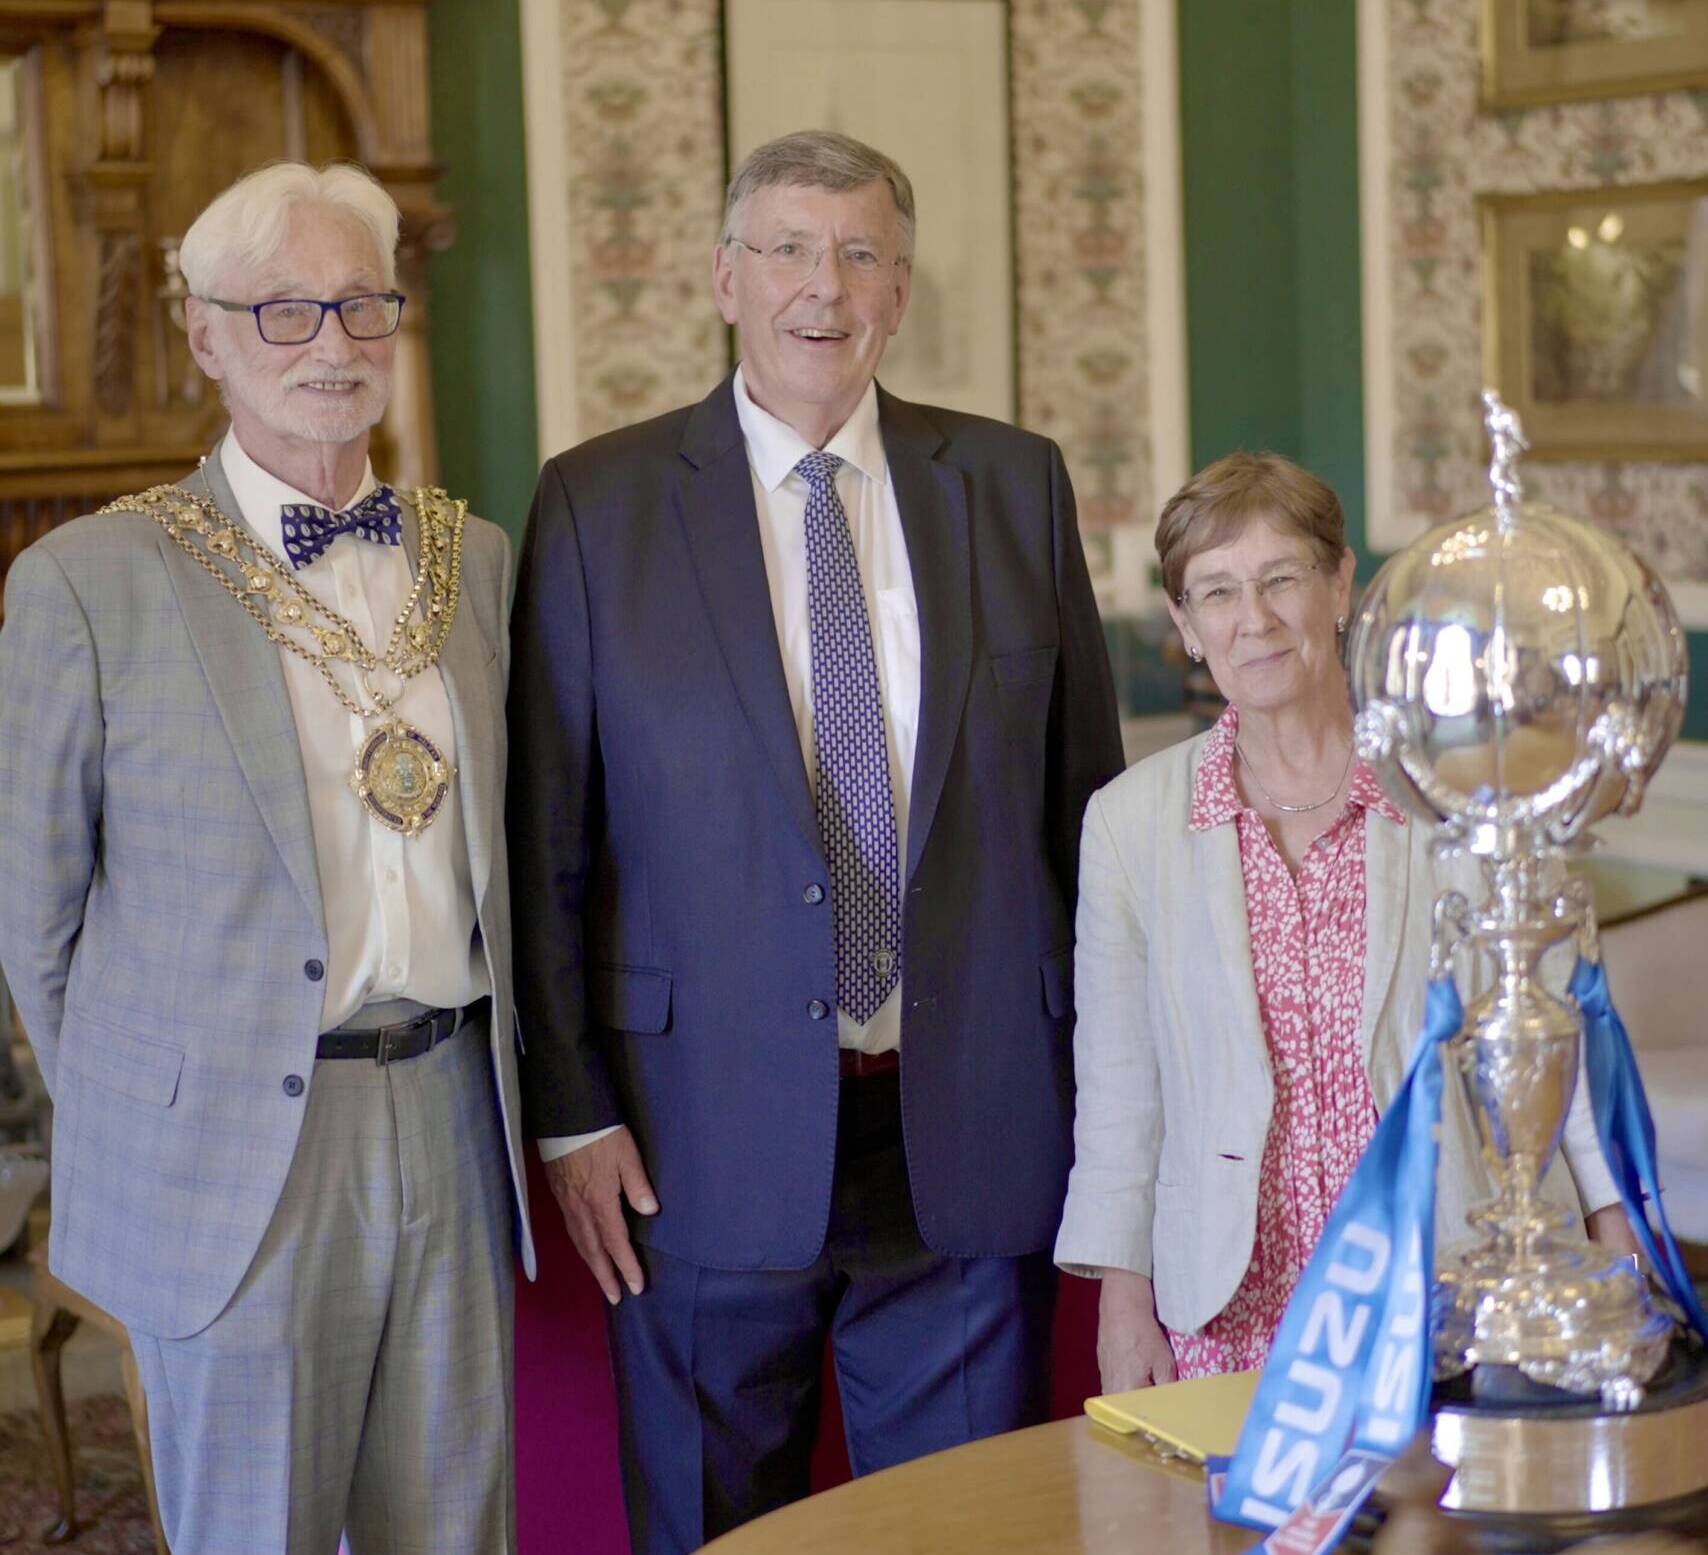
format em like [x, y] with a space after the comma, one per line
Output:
[400, 912]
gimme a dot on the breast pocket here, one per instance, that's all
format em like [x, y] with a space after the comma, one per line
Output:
[1024, 668]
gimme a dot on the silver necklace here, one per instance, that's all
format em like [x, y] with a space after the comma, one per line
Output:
[1294, 809]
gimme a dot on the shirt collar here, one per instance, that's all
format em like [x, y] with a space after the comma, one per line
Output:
[1215, 796]
[1215, 799]
[774, 447]
[262, 497]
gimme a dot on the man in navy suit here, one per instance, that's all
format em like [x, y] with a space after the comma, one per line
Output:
[808, 695]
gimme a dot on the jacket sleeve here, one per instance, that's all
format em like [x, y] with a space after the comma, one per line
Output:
[1084, 741]
[1117, 1125]
[51, 744]
[555, 781]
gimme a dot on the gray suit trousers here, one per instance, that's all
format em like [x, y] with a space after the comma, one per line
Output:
[361, 1377]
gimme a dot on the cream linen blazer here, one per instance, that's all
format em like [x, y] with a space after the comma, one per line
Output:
[1174, 1083]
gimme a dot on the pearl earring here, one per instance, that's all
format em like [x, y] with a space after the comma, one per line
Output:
[1194, 655]
[1339, 625]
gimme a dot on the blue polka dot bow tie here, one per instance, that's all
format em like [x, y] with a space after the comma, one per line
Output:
[309, 529]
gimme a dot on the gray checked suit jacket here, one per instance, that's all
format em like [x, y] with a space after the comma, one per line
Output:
[160, 908]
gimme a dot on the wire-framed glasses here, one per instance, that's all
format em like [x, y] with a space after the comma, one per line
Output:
[1219, 600]
[793, 260]
[294, 321]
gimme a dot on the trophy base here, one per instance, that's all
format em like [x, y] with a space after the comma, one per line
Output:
[1563, 1313]
[1536, 1469]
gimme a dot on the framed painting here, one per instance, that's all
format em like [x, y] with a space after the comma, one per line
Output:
[1550, 51]
[926, 81]
[1595, 319]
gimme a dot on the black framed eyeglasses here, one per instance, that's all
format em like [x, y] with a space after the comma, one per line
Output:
[294, 321]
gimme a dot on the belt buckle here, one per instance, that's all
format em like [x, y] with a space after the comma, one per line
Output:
[382, 1047]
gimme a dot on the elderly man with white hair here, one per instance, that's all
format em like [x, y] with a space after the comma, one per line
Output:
[257, 923]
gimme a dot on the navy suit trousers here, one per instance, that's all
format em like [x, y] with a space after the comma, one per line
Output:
[718, 1371]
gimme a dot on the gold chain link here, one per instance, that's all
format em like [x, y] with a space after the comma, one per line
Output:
[412, 647]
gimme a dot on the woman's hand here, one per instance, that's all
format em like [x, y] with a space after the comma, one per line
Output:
[1132, 1349]
[1609, 1226]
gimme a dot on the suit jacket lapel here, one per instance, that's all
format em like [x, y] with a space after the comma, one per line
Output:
[1222, 880]
[721, 525]
[1387, 879]
[248, 685]
[933, 505]
[461, 671]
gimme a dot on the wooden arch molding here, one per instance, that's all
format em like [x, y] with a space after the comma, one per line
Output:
[119, 167]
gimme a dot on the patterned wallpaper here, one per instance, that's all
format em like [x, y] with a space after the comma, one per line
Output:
[1442, 152]
[1080, 254]
[643, 128]
[643, 133]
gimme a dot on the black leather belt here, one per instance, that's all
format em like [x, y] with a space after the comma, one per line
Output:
[407, 1039]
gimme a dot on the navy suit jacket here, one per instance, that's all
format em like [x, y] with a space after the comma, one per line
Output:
[664, 838]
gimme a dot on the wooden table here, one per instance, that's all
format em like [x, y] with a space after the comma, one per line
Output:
[1071, 1488]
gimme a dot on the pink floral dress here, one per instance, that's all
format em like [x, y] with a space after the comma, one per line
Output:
[1307, 953]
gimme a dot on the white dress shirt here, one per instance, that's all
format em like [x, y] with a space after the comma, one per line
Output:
[868, 497]
[400, 911]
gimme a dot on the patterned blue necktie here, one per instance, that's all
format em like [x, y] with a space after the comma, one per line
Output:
[856, 807]
[309, 529]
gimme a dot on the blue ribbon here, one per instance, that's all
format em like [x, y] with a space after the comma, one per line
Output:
[1351, 1364]
[1348, 1378]
[1628, 1133]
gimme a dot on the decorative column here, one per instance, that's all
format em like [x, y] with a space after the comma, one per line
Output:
[111, 188]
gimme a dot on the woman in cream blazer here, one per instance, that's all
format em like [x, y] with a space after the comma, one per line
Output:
[1172, 1061]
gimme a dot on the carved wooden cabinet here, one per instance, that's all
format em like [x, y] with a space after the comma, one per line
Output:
[119, 121]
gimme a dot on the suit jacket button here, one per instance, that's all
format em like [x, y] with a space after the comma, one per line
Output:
[293, 1085]
[813, 895]
[313, 971]
[818, 1009]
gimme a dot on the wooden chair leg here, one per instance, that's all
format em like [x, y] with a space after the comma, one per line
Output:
[49, 1329]
[139, 1424]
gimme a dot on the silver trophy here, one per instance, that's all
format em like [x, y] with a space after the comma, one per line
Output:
[1519, 676]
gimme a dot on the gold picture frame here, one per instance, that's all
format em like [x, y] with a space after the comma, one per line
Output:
[1595, 319]
[1552, 51]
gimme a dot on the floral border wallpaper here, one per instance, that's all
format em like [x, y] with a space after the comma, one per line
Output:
[1442, 152]
[1080, 253]
[643, 130]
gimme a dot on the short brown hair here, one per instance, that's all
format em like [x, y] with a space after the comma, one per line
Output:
[820, 159]
[1222, 498]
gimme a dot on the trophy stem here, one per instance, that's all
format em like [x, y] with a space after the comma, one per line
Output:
[1533, 1292]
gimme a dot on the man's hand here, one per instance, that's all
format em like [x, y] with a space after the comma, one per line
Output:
[1132, 1349]
[589, 1185]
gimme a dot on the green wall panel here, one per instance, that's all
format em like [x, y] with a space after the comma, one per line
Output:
[483, 326]
[1237, 188]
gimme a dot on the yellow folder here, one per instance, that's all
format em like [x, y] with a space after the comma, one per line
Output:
[1191, 1419]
